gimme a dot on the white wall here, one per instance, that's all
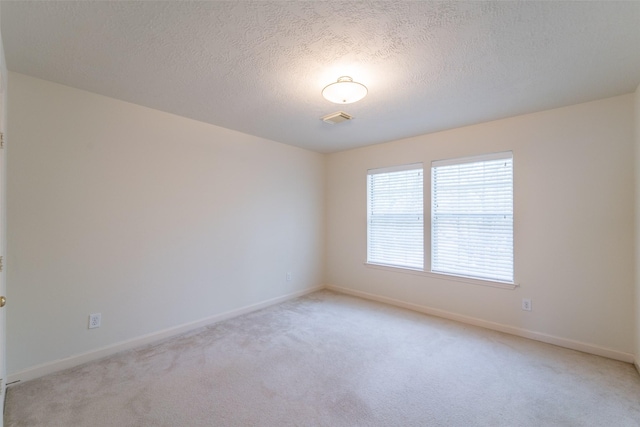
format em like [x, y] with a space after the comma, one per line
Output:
[151, 219]
[574, 216]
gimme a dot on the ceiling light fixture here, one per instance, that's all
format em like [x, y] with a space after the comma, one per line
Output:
[344, 91]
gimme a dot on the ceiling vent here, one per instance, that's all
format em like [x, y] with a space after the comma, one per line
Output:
[337, 117]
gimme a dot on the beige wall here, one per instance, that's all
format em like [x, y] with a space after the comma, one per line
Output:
[156, 221]
[151, 219]
[574, 212]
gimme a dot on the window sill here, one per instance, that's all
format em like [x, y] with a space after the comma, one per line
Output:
[441, 276]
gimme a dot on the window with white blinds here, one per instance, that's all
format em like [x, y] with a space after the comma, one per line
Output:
[395, 220]
[472, 217]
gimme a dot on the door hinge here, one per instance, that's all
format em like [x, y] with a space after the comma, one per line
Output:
[1, 263]
[1, 139]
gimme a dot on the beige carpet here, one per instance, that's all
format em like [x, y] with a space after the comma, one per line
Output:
[333, 360]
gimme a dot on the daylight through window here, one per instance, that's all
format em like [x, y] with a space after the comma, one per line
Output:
[472, 217]
[395, 220]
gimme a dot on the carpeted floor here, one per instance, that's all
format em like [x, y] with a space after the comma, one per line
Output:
[333, 360]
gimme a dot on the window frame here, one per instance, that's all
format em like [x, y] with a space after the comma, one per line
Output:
[426, 271]
[484, 158]
[370, 260]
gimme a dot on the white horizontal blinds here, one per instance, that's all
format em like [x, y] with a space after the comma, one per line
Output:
[395, 220]
[472, 217]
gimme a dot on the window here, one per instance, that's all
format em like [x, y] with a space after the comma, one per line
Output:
[472, 217]
[395, 221]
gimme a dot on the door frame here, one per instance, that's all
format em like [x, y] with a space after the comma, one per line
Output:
[3, 233]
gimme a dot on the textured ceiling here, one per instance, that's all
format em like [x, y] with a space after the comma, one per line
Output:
[259, 66]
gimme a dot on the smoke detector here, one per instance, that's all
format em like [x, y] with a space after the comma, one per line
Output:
[337, 117]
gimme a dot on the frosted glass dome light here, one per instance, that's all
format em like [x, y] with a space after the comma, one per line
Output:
[344, 91]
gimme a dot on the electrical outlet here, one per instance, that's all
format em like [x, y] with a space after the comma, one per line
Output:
[95, 320]
[526, 304]
[288, 276]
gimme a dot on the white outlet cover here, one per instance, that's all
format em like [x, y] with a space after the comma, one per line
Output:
[526, 304]
[95, 320]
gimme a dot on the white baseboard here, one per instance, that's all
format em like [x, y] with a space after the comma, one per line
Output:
[525, 333]
[79, 359]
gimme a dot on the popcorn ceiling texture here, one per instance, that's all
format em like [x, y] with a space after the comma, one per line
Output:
[259, 67]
